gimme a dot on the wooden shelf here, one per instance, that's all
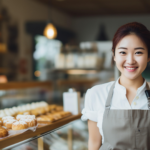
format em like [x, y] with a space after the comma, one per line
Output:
[26, 84]
[40, 131]
[77, 81]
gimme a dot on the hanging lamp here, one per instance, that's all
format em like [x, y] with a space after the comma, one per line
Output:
[50, 31]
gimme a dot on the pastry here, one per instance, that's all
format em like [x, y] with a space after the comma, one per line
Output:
[35, 112]
[65, 113]
[0, 123]
[57, 116]
[30, 122]
[2, 114]
[43, 104]
[7, 118]
[59, 108]
[45, 118]
[3, 132]
[25, 117]
[52, 107]
[26, 113]
[47, 109]
[8, 123]
[19, 125]
[41, 111]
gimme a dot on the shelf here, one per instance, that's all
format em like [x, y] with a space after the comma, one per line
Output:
[81, 81]
[66, 69]
[26, 84]
[41, 130]
[76, 71]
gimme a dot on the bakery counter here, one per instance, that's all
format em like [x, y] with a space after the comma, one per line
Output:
[32, 99]
[41, 130]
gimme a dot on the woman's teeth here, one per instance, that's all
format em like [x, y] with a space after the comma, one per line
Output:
[131, 68]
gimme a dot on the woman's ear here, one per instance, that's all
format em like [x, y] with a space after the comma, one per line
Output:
[114, 58]
[113, 55]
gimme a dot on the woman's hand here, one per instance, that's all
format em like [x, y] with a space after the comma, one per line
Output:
[95, 138]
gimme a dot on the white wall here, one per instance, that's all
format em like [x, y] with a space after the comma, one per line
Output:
[87, 28]
[22, 11]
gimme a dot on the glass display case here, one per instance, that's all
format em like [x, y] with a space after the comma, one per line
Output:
[64, 132]
[68, 134]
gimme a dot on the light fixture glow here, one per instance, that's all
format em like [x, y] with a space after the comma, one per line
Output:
[50, 31]
[37, 73]
[3, 79]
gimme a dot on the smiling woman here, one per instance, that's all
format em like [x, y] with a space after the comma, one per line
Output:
[117, 112]
[131, 49]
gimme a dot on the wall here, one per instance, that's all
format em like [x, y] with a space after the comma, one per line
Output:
[87, 28]
[22, 11]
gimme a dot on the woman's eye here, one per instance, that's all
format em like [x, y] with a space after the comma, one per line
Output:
[122, 53]
[139, 53]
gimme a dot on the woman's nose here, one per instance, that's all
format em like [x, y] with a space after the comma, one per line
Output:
[130, 59]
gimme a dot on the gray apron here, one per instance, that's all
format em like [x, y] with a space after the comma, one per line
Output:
[125, 129]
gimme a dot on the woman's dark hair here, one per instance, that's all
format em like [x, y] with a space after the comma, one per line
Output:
[134, 27]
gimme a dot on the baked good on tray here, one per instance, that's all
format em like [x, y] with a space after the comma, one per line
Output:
[56, 116]
[21, 122]
[24, 109]
[29, 119]
[45, 118]
[51, 117]
[1, 123]
[59, 108]
[7, 118]
[8, 123]
[30, 122]
[19, 117]
[3, 132]
[35, 112]
[19, 125]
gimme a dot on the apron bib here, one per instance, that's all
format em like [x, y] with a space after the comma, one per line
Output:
[125, 129]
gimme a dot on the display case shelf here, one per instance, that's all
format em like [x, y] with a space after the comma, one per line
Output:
[41, 130]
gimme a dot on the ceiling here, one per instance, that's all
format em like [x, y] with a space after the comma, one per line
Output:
[100, 7]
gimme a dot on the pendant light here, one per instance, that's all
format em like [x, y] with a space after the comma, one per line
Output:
[50, 31]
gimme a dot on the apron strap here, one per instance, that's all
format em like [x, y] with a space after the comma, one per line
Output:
[147, 86]
[109, 97]
[148, 100]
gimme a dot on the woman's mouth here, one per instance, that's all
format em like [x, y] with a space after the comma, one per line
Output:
[131, 69]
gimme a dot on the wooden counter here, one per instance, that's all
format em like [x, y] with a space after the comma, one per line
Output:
[41, 129]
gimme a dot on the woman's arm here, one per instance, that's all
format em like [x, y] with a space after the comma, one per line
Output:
[95, 138]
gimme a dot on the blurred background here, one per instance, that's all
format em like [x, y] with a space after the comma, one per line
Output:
[78, 50]
[63, 43]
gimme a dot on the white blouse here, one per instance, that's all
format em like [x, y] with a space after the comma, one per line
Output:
[95, 100]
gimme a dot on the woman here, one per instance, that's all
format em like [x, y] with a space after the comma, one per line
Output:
[117, 112]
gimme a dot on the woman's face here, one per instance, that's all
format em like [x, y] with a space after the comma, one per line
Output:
[131, 56]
